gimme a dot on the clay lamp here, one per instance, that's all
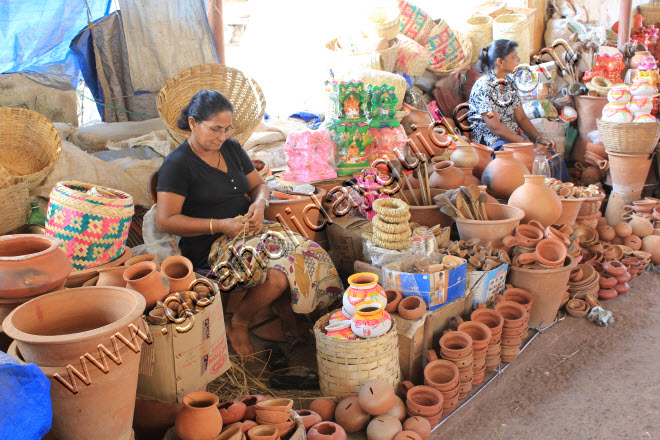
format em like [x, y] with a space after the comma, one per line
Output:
[394, 297]
[412, 307]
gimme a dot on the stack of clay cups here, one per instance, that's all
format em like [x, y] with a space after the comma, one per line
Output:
[424, 401]
[494, 321]
[276, 413]
[520, 296]
[515, 326]
[443, 375]
[480, 334]
[456, 346]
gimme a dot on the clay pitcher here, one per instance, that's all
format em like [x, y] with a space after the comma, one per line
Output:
[485, 155]
[629, 172]
[199, 419]
[150, 283]
[523, 151]
[464, 156]
[504, 174]
[178, 271]
[539, 202]
[446, 176]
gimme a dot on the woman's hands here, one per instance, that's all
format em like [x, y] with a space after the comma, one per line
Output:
[255, 215]
[232, 226]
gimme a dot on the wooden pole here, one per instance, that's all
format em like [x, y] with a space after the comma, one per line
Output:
[625, 13]
[214, 14]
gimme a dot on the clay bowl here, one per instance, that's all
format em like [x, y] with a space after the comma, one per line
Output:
[577, 308]
[282, 428]
[492, 318]
[502, 221]
[479, 332]
[270, 417]
[412, 307]
[263, 432]
[424, 401]
[520, 296]
[528, 235]
[513, 313]
[441, 375]
[589, 274]
[282, 405]
[586, 234]
[455, 345]
[394, 297]
[427, 215]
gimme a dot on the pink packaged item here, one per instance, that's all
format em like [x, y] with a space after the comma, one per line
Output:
[310, 155]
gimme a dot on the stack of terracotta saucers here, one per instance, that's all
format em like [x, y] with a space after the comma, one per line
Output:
[456, 346]
[443, 376]
[515, 327]
[583, 281]
[494, 321]
[480, 334]
[276, 413]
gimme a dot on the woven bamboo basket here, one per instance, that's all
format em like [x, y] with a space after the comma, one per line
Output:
[651, 12]
[591, 205]
[466, 46]
[243, 92]
[92, 224]
[633, 138]
[29, 144]
[515, 27]
[14, 206]
[480, 31]
[344, 366]
[413, 58]
[386, 27]
[388, 56]
[341, 61]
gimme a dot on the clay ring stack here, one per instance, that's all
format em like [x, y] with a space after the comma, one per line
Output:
[494, 321]
[443, 375]
[480, 334]
[515, 326]
[390, 224]
[456, 346]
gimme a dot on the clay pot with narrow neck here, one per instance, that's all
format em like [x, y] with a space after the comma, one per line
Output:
[639, 56]
[112, 276]
[464, 156]
[629, 172]
[199, 418]
[523, 151]
[485, 155]
[504, 175]
[539, 202]
[178, 271]
[363, 286]
[144, 278]
[446, 176]
[144, 257]
[470, 178]
[31, 265]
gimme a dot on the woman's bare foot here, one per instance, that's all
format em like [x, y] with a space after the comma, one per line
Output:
[239, 338]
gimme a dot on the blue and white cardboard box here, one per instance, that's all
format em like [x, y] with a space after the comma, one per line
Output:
[486, 284]
[436, 288]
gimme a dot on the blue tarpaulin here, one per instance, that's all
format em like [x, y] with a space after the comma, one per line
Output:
[36, 35]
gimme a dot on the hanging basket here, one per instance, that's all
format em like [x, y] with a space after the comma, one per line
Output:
[93, 224]
[14, 206]
[244, 94]
[480, 31]
[344, 366]
[630, 137]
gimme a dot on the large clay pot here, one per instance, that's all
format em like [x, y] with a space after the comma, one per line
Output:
[523, 151]
[569, 211]
[485, 155]
[470, 178]
[464, 156]
[299, 213]
[629, 172]
[446, 176]
[539, 202]
[502, 220]
[179, 273]
[144, 278]
[31, 265]
[199, 419]
[363, 286]
[547, 286]
[59, 330]
[427, 215]
[112, 276]
[503, 175]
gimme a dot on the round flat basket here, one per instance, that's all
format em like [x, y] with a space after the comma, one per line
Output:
[14, 206]
[243, 92]
[633, 138]
[344, 366]
[30, 144]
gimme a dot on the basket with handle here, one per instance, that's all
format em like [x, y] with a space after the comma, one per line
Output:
[92, 221]
[651, 12]
[30, 145]
[629, 137]
[243, 92]
[480, 31]
[14, 206]
[344, 365]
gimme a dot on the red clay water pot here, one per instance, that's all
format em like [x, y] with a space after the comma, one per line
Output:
[178, 272]
[31, 265]
[523, 151]
[326, 431]
[199, 418]
[446, 176]
[350, 416]
[376, 397]
[324, 407]
[503, 175]
[145, 279]
[539, 202]
[485, 157]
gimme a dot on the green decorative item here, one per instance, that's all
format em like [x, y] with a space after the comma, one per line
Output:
[36, 216]
[350, 100]
[381, 106]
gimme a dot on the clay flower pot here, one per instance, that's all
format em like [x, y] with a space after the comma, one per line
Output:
[446, 176]
[521, 296]
[455, 345]
[569, 211]
[503, 175]
[514, 314]
[178, 271]
[412, 307]
[363, 286]
[419, 425]
[502, 221]
[350, 416]
[324, 407]
[492, 318]
[441, 375]
[629, 172]
[376, 397]
[326, 431]
[538, 200]
[394, 297]
[145, 279]
[523, 151]
[112, 276]
[424, 401]
[31, 265]
[464, 156]
[479, 332]
[199, 417]
[263, 432]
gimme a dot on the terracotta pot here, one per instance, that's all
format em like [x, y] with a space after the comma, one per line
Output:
[31, 265]
[270, 417]
[456, 344]
[280, 405]
[199, 418]
[520, 296]
[144, 278]
[370, 320]
[513, 313]
[325, 408]
[485, 155]
[112, 276]
[589, 109]
[408, 435]
[376, 397]
[523, 151]
[139, 258]
[614, 268]
[394, 297]
[284, 211]
[651, 244]
[641, 227]
[464, 156]
[350, 416]
[470, 178]
[629, 172]
[250, 403]
[633, 242]
[326, 431]
[363, 286]
[178, 271]
[638, 57]
[547, 287]
[492, 318]
[263, 432]
[441, 375]
[606, 294]
[424, 401]
[539, 202]
[283, 428]
[398, 410]
[504, 175]
[309, 418]
[80, 321]
[446, 176]
[569, 211]
[606, 233]
[383, 428]
[419, 425]
[550, 253]
[502, 220]
[412, 307]
[479, 332]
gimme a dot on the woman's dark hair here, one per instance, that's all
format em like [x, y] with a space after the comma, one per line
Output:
[490, 54]
[203, 106]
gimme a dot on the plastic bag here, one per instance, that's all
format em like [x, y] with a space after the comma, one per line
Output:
[594, 137]
[380, 257]
[310, 155]
[161, 244]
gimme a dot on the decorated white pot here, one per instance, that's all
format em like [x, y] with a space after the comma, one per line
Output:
[642, 86]
[614, 112]
[568, 114]
[370, 320]
[619, 94]
[640, 104]
[363, 286]
[341, 330]
[339, 316]
[645, 117]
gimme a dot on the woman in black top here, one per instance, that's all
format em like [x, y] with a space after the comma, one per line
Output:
[210, 194]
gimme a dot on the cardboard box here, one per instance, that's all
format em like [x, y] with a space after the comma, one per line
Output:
[436, 288]
[486, 284]
[184, 357]
[345, 238]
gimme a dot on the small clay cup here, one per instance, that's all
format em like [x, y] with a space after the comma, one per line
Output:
[394, 297]
[455, 345]
[412, 307]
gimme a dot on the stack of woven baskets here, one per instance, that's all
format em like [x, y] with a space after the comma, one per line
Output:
[391, 229]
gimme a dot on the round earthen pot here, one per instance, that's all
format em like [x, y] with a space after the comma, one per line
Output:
[651, 245]
[606, 294]
[326, 431]
[199, 418]
[614, 268]
[446, 176]
[633, 242]
[464, 156]
[383, 428]
[233, 411]
[523, 151]
[408, 435]
[325, 408]
[112, 276]
[419, 425]
[492, 318]
[504, 175]
[31, 265]
[607, 281]
[398, 410]
[350, 416]
[250, 402]
[376, 397]
[441, 375]
[470, 178]
[623, 229]
[485, 155]
[455, 345]
[310, 418]
[539, 202]
[479, 332]
[606, 232]
[263, 432]
[394, 297]
[145, 279]
[412, 307]
[178, 270]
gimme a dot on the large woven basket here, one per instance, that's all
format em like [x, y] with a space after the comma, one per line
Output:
[93, 224]
[633, 138]
[480, 31]
[651, 12]
[29, 144]
[341, 61]
[243, 92]
[515, 27]
[388, 56]
[344, 366]
[467, 49]
[14, 206]
[412, 58]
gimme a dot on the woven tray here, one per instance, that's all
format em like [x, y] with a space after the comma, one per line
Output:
[344, 366]
[633, 138]
[14, 206]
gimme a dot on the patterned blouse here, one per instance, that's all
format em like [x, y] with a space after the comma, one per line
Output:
[488, 95]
